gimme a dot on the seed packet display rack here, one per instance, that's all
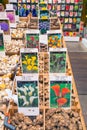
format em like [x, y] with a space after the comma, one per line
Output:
[43, 93]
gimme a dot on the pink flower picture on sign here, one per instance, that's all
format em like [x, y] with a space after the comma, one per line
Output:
[11, 15]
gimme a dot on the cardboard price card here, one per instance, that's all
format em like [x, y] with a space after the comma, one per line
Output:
[29, 60]
[28, 97]
[1, 41]
[60, 91]
[32, 39]
[54, 39]
[58, 60]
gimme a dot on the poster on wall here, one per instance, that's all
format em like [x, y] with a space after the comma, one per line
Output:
[54, 39]
[1, 41]
[29, 60]
[5, 25]
[32, 39]
[10, 15]
[28, 95]
[60, 91]
[58, 60]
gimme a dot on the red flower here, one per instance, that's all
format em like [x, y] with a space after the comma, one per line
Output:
[61, 101]
[65, 91]
[32, 38]
[56, 89]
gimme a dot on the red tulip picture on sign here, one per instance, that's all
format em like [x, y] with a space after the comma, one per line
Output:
[60, 91]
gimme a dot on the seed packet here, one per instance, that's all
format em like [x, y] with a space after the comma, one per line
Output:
[59, 1]
[63, 1]
[15, 7]
[71, 14]
[75, 14]
[66, 13]
[58, 13]
[5, 25]
[44, 25]
[79, 14]
[69, 26]
[34, 10]
[54, 1]
[67, 1]
[32, 39]
[80, 7]
[62, 7]
[73, 26]
[57, 60]
[74, 20]
[10, 15]
[22, 10]
[62, 13]
[72, 1]
[71, 7]
[29, 60]
[58, 7]
[28, 95]
[66, 20]
[44, 14]
[49, 7]
[54, 38]
[67, 7]
[70, 20]
[76, 7]
[60, 91]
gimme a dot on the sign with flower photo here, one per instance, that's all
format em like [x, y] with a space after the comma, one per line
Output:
[60, 91]
[29, 60]
[58, 60]
[32, 39]
[28, 97]
[5, 26]
[54, 39]
[10, 15]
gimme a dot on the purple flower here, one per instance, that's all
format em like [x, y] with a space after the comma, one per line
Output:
[4, 26]
[11, 17]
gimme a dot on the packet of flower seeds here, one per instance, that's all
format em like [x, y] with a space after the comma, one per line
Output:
[5, 25]
[57, 60]
[28, 95]
[29, 60]
[10, 13]
[60, 91]
[54, 38]
[32, 39]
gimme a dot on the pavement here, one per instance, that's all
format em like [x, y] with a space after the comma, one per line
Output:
[78, 58]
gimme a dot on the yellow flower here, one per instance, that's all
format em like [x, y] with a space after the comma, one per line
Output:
[29, 67]
[35, 68]
[28, 61]
[32, 63]
[33, 58]
[56, 37]
[24, 62]
[26, 57]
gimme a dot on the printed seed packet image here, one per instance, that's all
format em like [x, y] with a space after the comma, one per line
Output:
[29, 61]
[60, 91]
[27, 92]
[57, 60]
